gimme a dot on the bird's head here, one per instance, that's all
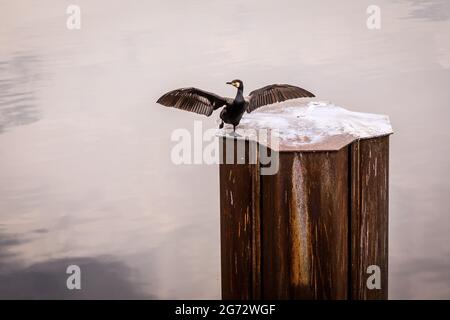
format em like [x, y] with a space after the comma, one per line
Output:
[237, 83]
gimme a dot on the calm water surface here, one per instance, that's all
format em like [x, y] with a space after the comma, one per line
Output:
[85, 170]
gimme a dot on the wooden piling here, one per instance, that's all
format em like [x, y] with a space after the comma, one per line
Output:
[312, 230]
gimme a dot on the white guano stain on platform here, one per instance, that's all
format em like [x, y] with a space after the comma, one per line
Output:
[300, 124]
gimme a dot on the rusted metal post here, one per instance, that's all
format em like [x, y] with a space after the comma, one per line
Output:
[318, 228]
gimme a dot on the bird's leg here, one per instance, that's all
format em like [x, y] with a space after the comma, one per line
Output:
[234, 128]
[221, 125]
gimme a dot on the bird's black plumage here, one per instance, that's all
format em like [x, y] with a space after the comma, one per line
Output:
[203, 102]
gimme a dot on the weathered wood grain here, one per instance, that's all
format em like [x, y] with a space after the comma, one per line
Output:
[304, 216]
[239, 226]
[369, 215]
[311, 230]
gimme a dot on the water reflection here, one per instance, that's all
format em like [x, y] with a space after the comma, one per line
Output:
[19, 76]
[430, 275]
[436, 10]
[7, 242]
[102, 277]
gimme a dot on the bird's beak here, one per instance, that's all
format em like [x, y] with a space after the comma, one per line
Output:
[229, 82]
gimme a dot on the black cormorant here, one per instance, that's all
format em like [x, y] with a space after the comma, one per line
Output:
[203, 102]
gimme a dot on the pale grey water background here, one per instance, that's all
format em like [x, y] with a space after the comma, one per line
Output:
[85, 171]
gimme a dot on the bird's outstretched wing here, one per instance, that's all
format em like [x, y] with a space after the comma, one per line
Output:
[194, 100]
[275, 93]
